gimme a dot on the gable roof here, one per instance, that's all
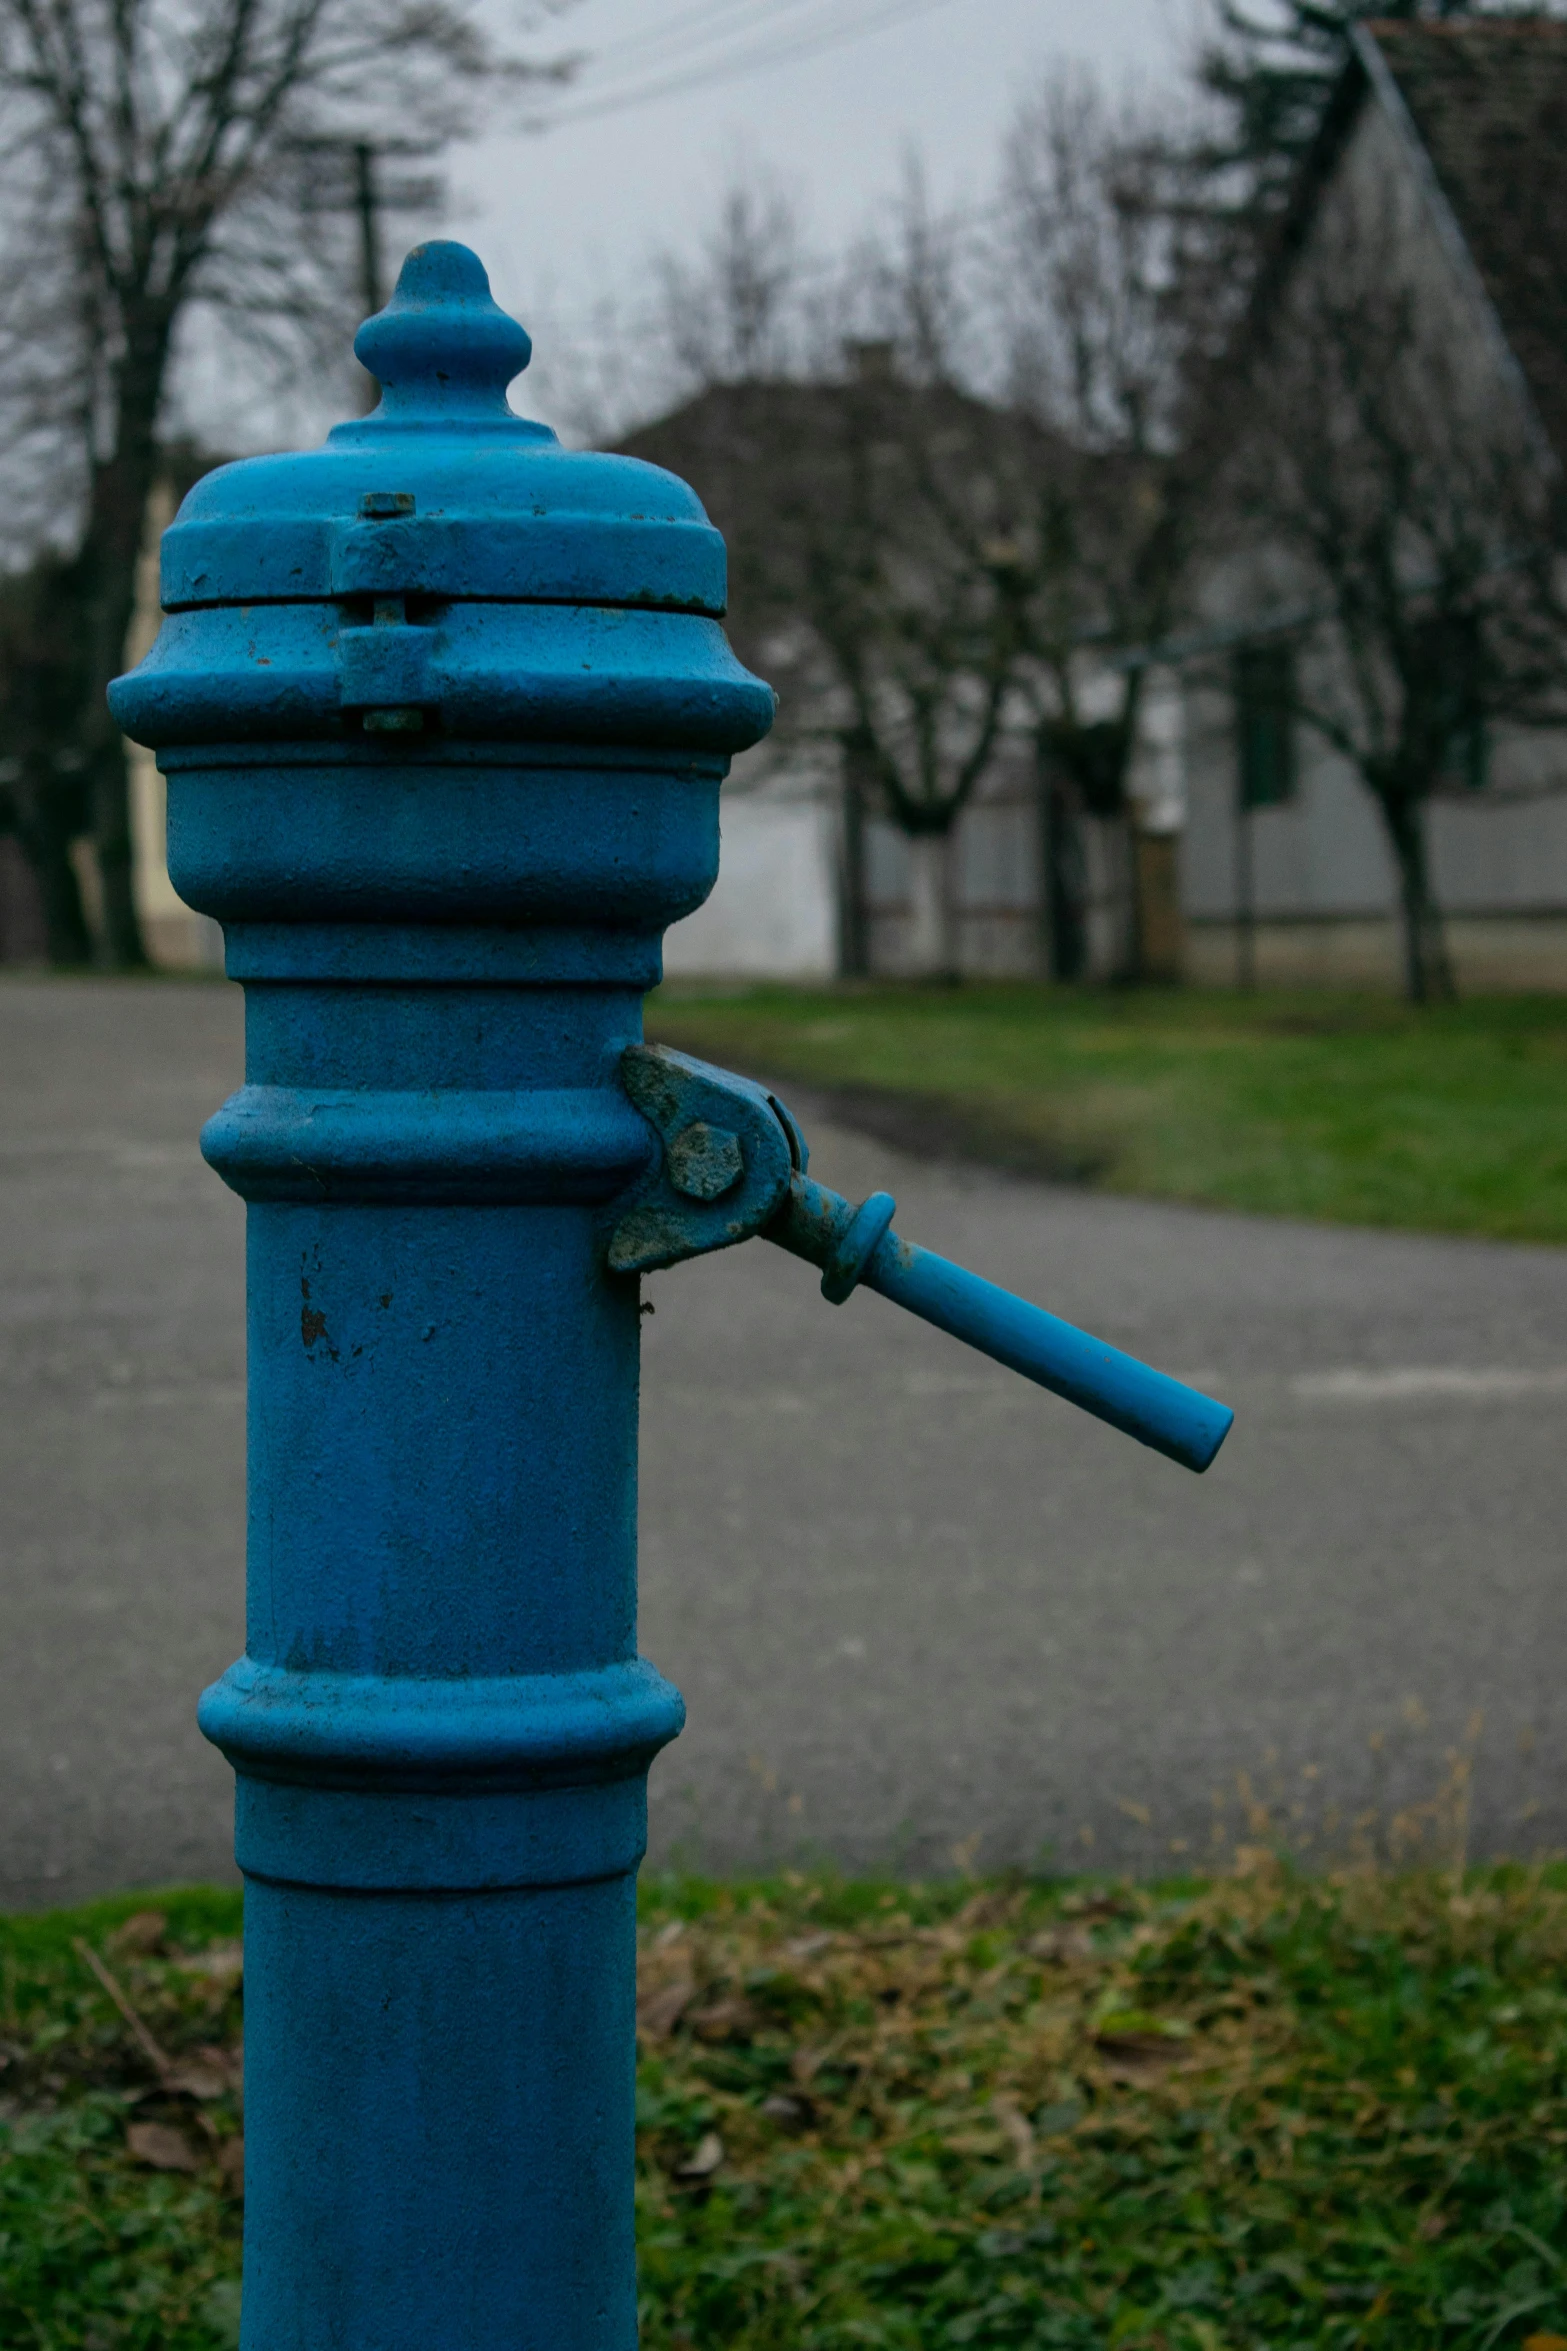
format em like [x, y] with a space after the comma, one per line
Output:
[775, 460]
[1488, 101]
[1480, 104]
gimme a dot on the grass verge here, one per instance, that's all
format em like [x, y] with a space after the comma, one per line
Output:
[1260, 2112]
[1356, 1110]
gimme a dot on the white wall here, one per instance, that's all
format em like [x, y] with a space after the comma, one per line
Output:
[1500, 851]
[1507, 857]
[773, 911]
[176, 936]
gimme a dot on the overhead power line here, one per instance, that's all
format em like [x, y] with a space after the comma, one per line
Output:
[695, 41]
[803, 42]
[692, 25]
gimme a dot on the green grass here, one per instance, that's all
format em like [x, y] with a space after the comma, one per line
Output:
[1264, 2111]
[97, 2250]
[1357, 1110]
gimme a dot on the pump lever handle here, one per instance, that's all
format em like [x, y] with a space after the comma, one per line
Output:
[857, 1247]
[732, 1164]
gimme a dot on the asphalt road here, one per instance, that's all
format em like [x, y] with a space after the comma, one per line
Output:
[924, 1616]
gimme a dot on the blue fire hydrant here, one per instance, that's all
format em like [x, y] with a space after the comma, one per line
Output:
[444, 710]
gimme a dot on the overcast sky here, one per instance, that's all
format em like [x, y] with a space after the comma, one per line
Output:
[565, 216]
[562, 215]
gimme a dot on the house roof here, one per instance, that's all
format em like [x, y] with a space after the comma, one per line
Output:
[1488, 101]
[778, 463]
[1484, 102]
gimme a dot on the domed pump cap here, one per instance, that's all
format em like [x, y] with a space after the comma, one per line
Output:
[444, 491]
[443, 568]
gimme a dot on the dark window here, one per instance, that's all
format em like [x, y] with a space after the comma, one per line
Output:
[1468, 763]
[1265, 724]
[1451, 670]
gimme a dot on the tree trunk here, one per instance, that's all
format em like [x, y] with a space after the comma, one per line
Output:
[854, 960]
[110, 605]
[932, 945]
[49, 816]
[1064, 893]
[106, 568]
[1161, 929]
[1428, 975]
[1245, 900]
[1131, 969]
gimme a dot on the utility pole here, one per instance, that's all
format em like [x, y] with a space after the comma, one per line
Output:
[366, 197]
[359, 186]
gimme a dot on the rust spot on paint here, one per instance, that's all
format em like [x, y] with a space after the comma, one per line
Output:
[312, 1323]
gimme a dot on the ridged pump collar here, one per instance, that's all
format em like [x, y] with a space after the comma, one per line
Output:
[443, 491]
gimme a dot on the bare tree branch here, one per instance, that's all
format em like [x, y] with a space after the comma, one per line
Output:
[150, 182]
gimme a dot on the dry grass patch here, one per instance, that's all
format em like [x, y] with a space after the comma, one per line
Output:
[1265, 2112]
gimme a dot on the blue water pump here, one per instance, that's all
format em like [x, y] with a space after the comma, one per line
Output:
[444, 710]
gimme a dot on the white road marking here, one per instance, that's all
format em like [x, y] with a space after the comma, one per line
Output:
[1361, 1384]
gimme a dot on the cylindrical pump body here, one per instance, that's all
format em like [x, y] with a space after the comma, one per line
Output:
[444, 710]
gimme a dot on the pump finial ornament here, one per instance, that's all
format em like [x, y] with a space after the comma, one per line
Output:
[443, 347]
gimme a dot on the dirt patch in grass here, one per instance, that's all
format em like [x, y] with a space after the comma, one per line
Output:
[948, 1127]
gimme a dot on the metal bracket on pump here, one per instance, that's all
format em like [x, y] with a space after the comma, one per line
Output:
[728, 1152]
[733, 1165]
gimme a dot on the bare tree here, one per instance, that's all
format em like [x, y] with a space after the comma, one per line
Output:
[1102, 324]
[874, 579]
[733, 314]
[951, 473]
[903, 525]
[155, 167]
[870, 500]
[1269, 68]
[1394, 493]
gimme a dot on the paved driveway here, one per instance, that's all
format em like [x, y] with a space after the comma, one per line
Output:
[921, 1612]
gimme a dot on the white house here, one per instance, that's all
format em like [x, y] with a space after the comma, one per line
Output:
[1281, 857]
[1452, 136]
